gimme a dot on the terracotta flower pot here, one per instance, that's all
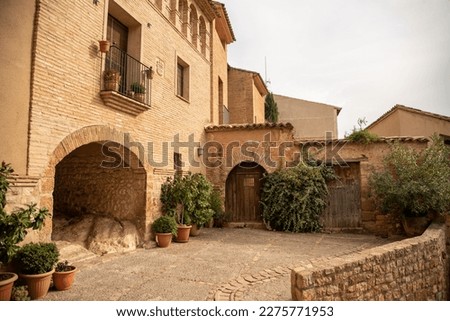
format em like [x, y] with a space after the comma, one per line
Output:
[183, 233]
[163, 239]
[415, 226]
[38, 284]
[104, 45]
[195, 230]
[64, 280]
[6, 285]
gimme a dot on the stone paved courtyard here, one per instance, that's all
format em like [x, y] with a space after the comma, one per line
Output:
[220, 264]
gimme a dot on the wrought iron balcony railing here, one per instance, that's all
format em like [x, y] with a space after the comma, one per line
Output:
[127, 76]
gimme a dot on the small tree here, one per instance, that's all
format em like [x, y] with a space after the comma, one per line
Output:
[187, 198]
[270, 109]
[413, 184]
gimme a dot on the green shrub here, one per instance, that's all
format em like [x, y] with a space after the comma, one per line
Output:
[187, 198]
[165, 224]
[294, 198]
[37, 258]
[413, 184]
[361, 135]
[14, 227]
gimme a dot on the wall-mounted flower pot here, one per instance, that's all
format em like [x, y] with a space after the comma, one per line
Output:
[104, 45]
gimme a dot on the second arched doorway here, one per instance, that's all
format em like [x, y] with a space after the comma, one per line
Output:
[243, 193]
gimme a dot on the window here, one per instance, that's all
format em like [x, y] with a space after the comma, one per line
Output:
[182, 85]
[177, 162]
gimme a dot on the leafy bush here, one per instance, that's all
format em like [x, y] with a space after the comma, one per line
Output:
[64, 267]
[14, 226]
[37, 258]
[187, 198]
[294, 198]
[414, 184]
[165, 224]
[20, 293]
[361, 135]
[201, 211]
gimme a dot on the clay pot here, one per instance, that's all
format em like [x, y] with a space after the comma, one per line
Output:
[6, 285]
[415, 226]
[38, 284]
[104, 45]
[195, 230]
[163, 239]
[64, 280]
[183, 233]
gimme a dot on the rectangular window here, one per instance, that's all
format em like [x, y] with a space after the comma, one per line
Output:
[177, 162]
[182, 79]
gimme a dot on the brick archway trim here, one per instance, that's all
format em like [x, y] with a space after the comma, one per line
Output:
[80, 137]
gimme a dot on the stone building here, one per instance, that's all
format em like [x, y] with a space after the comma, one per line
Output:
[246, 99]
[92, 133]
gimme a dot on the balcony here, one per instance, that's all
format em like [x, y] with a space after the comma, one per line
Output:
[126, 83]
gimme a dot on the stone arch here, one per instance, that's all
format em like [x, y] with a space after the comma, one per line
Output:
[203, 31]
[183, 11]
[193, 23]
[242, 192]
[91, 174]
[173, 11]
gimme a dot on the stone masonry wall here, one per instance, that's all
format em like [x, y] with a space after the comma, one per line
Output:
[411, 269]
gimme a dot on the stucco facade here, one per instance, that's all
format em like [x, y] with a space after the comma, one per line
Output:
[311, 120]
[407, 121]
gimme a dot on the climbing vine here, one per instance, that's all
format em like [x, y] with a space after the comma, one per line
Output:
[294, 198]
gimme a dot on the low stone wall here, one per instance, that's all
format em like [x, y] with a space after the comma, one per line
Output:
[411, 269]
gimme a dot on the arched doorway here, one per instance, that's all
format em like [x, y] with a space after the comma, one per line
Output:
[243, 191]
[99, 198]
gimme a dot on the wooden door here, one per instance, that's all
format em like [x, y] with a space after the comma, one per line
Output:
[243, 192]
[344, 201]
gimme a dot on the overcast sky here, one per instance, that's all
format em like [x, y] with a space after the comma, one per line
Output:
[362, 55]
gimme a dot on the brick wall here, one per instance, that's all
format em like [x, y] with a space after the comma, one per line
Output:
[411, 269]
[67, 112]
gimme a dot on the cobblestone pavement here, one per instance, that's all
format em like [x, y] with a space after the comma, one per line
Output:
[219, 264]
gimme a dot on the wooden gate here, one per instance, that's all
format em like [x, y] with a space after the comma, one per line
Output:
[243, 190]
[344, 200]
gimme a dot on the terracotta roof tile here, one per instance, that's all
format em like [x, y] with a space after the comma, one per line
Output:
[226, 127]
[387, 139]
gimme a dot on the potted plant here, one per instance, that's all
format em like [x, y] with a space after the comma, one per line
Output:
[104, 45]
[6, 284]
[138, 90]
[111, 79]
[20, 293]
[414, 186]
[14, 226]
[176, 199]
[165, 227]
[64, 276]
[36, 262]
[13, 229]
